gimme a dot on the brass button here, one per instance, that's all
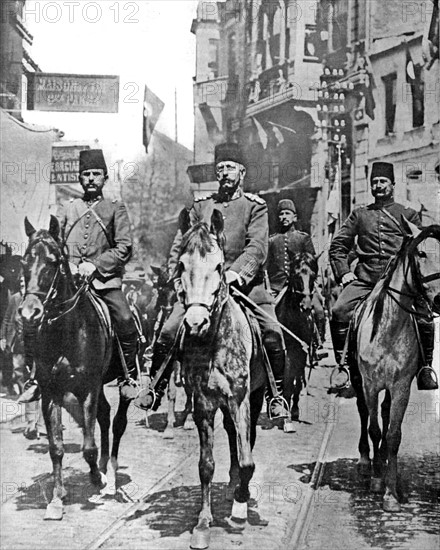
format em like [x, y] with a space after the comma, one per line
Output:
[86, 235]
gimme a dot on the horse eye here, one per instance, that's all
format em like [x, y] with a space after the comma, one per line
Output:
[422, 254]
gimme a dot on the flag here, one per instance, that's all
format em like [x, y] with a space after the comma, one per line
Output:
[333, 201]
[153, 106]
[261, 133]
[367, 90]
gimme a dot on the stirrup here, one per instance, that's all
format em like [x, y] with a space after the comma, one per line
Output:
[433, 380]
[280, 399]
[141, 400]
[336, 371]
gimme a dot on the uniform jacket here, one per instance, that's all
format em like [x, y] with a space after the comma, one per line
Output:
[246, 231]
[278, 264]
[87, 241]
[376, 236]
[12, 325]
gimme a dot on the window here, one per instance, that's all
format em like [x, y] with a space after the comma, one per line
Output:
[310, 42]
[418, 91]
[232, 62]
[390, 83]
[213, 56]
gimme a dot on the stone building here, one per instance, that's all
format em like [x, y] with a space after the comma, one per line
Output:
[256, 72]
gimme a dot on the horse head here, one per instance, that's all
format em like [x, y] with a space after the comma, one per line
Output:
[201, 269]
[303, 271]
[42, 265]
[422, 248]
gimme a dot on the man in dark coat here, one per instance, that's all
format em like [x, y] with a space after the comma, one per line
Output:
[247, 234]
[377, 234]
[96, 231]
[282, 246]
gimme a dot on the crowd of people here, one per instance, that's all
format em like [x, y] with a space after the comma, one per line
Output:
[96, 231]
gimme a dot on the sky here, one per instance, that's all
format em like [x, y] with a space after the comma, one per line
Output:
[144, 42]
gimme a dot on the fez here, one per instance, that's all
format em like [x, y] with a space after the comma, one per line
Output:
[229, 151]
[286, 204]
[382, 169]
[92, 158]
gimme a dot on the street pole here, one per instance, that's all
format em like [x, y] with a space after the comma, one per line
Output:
[338, 146]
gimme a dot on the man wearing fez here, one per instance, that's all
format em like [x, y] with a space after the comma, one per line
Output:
[247, 232]
[376, 231]
[282, 246]
[96, 231]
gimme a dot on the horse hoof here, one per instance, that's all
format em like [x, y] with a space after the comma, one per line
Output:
[54, 510]
[189, 425]
[288, 427]
[108, 491]
[390, 504]
[200, 538]
[239, 511]
[168, 433]
[364, 468]
[376, 485]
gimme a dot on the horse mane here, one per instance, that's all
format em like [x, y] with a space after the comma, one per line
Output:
[199, 238]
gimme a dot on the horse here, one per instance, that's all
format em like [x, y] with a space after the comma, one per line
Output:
[158, 312]
[385, 353]
[10, 271]
[217, 360]
[294, 311]
[74, 355]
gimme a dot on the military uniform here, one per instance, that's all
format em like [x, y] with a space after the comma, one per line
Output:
[377, 238]
[246, 247]
[281, 248]
[98, 231]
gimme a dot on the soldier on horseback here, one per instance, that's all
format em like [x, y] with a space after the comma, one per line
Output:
[376, 231]
[282, 247]
[246, 231]
[96, 232]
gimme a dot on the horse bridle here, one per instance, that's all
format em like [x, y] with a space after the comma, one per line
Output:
[420, 281]
[52, 292]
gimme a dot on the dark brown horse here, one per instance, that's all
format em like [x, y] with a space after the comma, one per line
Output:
[216, 363]
[74, 354]
[294, 311]
[387, 351]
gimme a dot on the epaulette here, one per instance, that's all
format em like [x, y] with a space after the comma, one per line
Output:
[199, 199]
[254, 198]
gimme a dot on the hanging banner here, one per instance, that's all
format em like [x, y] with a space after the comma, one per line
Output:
[65, 163]
[75, 93]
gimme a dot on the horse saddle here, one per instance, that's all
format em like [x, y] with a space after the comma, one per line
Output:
[102, 311]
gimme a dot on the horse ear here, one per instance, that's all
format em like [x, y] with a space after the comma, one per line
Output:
[28, 227]
[410, 229]
[217, 222]
[54, 227]
[184, 221]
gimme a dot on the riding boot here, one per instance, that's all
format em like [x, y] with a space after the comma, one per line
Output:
[426, 376]
[277, 407]
[128, 385]
[339, 331]
[153, 399]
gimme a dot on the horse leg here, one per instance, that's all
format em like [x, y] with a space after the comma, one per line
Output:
[234, 469]
[242, 420]
[90, 450]
[364, 462]
[53, 420]
[118, 429]
[372, 400]
[204, 419]
[394, 436]
[289, 378]
[171, 417]
[103, 418]
[385, 411]
[187, 412]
